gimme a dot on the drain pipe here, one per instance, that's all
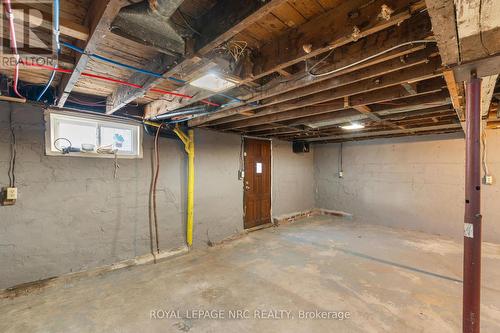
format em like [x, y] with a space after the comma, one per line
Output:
[188, 141]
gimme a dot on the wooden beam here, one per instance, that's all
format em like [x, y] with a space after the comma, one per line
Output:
[410, 87]
[288, 48]
[369, 113]
[334, 118]
[442, 13]
[416, 73]
[375, 71]
[414, 29]
[483, 67]
[100, 15]
[226, 19]
[333, 108]
[382, 133]
[478, 26]
[66, 27]
[283, 73]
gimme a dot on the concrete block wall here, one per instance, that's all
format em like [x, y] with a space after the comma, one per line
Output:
[72, 215]
[414, 183]
[293, 180]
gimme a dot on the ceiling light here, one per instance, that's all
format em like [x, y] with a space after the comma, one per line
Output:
[352, 126]
[212, 82]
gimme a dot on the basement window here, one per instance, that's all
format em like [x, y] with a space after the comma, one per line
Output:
[91, 135]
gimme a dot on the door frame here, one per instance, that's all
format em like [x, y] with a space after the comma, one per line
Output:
[243, 137]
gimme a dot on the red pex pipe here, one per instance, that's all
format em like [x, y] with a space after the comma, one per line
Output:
[104, 78]
[13, 44]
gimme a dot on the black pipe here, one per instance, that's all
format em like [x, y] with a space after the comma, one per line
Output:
[165, 132]
[181, 112]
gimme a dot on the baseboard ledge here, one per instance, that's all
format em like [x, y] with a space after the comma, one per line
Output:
[292, 217]
[31, 287]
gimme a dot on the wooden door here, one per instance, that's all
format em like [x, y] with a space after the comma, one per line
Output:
[257, 183]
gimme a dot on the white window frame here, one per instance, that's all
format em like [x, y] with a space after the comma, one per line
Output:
[53, 117]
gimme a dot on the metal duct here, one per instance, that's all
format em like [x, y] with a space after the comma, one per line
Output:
[149, 23]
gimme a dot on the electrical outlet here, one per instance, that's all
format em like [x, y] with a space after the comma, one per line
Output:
[488, 180]
[341, 174]
[9, 196]
[11, 193]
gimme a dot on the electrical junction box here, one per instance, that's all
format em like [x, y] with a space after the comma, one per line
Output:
[299, 147]
[488, 180]
[11, 193]
[9, 196]
[341, 174]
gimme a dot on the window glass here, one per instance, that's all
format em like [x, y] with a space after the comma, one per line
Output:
[77, 133]
[92, 136]
[118, 138]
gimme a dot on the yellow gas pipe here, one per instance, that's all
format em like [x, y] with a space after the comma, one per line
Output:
[188, 141]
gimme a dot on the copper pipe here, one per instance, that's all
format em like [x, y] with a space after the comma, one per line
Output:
[472, 220]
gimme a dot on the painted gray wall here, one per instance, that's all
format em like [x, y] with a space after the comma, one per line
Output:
[73, 215]
[293, 180]
[415, 183]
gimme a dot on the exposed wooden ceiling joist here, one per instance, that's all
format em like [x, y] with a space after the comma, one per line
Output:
[416, 73]
[226, 19]
[374, 134]
[414, 29]
[374, 71]
[353, 20]
[100, 15]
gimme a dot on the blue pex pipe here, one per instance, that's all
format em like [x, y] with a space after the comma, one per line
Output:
[81, 51]
[58, 45]
[143, 71]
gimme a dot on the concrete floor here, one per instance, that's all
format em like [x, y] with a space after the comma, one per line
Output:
[388, 280]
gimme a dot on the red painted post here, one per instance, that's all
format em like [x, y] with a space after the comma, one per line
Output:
[472, 226]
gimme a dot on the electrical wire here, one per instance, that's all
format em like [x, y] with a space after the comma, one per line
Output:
[187, 22]
[155, 182]
[143, 71]
[13, 44]
[146, 72]
[341, 162]
[104, 78]
[58, 49]
[485, 153]
[13, 151]
[422, 41]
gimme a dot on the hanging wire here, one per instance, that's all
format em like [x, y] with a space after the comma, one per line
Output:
[155, 182]
[13, 151]
[423, 41]
[485, 153]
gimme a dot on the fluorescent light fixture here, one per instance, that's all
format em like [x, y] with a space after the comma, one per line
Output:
[212, 82]
[352, 126]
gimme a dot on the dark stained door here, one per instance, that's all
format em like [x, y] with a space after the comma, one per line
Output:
[257, 182]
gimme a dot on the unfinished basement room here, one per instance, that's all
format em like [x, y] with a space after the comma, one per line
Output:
[242, 166]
